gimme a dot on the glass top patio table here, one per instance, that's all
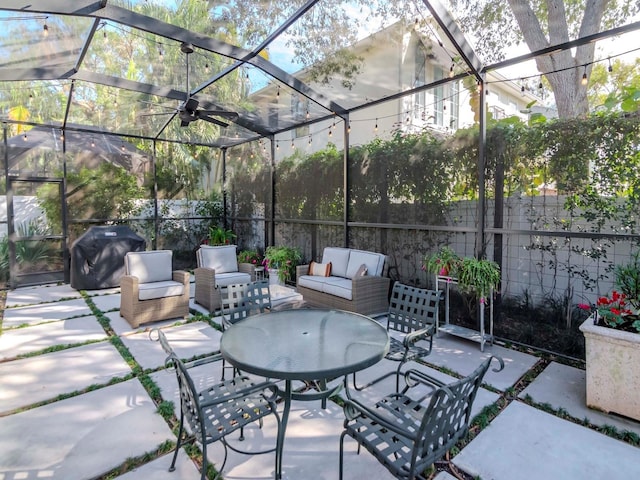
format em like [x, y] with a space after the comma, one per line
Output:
[304, 344]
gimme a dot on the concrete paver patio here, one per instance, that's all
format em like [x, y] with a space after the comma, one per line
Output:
[82, 433]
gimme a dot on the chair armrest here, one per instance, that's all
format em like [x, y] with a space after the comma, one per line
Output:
[249, 268]
[422, 334]
[414, 377]
[214, 357]
[129, 288]
[257, 388]
[181, 276]
[353, 409]
[366, 284]
[205, 275]
[301, 270]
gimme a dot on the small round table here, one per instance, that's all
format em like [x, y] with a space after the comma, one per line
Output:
[307, 345]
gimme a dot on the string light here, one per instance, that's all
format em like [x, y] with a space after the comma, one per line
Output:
[206, 68]
[24, 137]
[584, 80]
[375, 129]
[451, 73]
[93, 143]
[307, 114]
[610, 66]
[160, 53]
[45, 30]
[293, 145]
[540, 87]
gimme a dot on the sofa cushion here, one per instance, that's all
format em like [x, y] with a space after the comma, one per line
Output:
[229, 278]
[361, 272]
[320, 269]
[222, 259]
[338, 286]
[149, 291]
[339, 259]
[312, 282]
[373, 261]
[147, 267]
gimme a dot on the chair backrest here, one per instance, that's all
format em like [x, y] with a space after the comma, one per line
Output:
[220, 258]
[151, 266]
[188, 394]
[446, 419]
[259, 296]
[412, 308]
[233, 303]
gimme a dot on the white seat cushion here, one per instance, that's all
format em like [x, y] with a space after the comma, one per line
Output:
[312, 281]
[338, 286]
[373, 261]
[147, 267]
[149, 291]
[224, 279]
[222, 259]
[339, 258]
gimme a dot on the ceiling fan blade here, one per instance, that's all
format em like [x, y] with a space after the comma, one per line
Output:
[206, 118]
[221, 113]
[153, 114]
[191, 104]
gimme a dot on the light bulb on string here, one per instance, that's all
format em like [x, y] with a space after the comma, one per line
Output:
[610, 66]
[585, 79]
[451, 73]
[375, 129]
[24, 137]
[278, 146]
[206, 68]
[349, 128]
[330, 133]
[293, 145]
[160, 54]
[93, 143]
[45, 30]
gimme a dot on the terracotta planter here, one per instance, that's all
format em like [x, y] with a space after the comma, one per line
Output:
[613, 376]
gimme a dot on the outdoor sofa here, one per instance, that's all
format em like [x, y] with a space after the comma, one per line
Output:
[346, 279]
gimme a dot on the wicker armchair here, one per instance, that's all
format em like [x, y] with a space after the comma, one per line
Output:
[218, 267]
[406, 434]
[150, 291]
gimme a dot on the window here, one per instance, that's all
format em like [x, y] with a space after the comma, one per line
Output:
[438, 97]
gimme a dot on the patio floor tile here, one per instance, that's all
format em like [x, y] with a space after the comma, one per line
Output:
[564, 386]
[81, 437]
[32, 380]
[187, 341]
[106, 303]
[40, 294]
[46, 312]
[18, 341]
[463, 356]
[529, 444]
[158, 469]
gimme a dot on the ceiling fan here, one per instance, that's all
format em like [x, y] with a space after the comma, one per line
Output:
[189, 112]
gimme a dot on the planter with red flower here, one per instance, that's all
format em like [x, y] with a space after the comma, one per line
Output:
[612, 340]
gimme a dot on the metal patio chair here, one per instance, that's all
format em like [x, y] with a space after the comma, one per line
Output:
[413, 312]
[219, 410]
[407, 435]
[238, 301]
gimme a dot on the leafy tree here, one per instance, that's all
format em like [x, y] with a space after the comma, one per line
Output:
[541, 23]
[107, 192]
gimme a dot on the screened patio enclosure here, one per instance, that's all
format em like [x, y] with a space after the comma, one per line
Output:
[326, 122]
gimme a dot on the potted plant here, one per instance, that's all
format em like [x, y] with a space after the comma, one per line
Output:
[443, 262]
[281, 262]
[220, 236]
[612, 341]
[473, 275]
[250, 256]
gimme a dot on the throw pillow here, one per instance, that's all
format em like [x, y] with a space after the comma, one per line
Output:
[362, 271]
[320, 269]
